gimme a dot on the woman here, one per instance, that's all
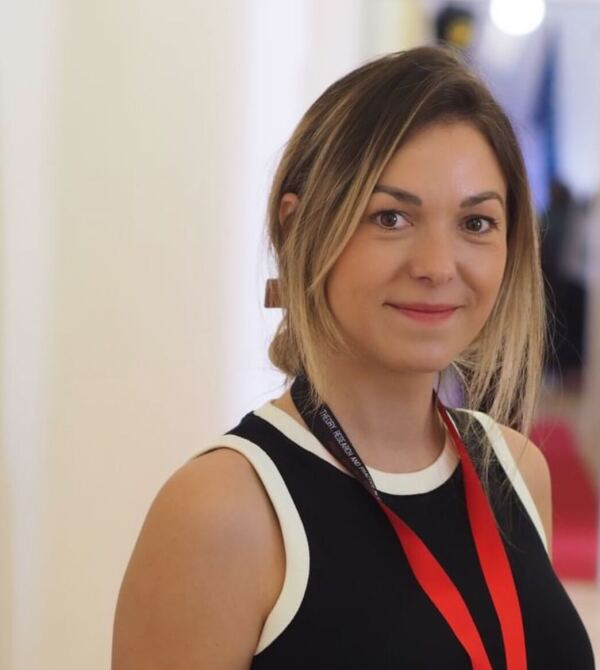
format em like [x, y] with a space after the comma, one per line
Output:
[346, 524]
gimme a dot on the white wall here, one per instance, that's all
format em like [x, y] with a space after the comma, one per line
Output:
[27, 33]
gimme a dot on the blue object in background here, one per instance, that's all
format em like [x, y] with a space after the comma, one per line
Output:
[544, 119]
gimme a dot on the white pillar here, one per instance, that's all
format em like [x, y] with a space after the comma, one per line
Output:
[27, 61]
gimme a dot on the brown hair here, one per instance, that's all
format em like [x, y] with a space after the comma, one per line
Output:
[333, 161]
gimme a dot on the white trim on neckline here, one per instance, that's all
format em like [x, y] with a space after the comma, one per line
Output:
[396, 483]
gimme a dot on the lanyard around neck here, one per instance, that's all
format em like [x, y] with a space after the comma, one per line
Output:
[430, 575]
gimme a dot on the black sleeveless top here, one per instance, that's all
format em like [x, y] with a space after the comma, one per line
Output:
[350, 600]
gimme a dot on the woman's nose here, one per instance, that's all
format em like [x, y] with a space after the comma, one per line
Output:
[432, 258]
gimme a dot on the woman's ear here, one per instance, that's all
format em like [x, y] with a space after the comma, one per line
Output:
[289, 202]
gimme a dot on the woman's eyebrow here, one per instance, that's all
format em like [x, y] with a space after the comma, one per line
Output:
[405, 196]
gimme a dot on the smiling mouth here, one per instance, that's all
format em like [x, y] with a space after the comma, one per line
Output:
[426, 313]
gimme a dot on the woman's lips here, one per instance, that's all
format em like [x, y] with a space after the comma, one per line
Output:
[426, 313]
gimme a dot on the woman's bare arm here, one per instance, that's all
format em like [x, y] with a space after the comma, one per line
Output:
[205, 572]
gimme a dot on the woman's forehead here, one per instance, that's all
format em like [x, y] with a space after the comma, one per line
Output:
[445, 158]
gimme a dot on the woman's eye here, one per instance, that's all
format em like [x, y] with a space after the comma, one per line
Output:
[480, 224]
[390, 219]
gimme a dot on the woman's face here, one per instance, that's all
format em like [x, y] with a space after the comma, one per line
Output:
[433, 237]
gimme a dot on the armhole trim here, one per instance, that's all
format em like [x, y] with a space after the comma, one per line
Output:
[510, 467]
[297, 558]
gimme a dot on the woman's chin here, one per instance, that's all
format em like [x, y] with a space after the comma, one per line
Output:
[418, 365]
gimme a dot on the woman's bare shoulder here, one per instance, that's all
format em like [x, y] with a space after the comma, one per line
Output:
[535, 471]
[205, 572]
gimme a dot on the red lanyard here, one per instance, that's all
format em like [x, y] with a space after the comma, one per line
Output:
[431, 576]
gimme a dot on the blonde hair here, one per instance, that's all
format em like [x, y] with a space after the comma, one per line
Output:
[333, 161]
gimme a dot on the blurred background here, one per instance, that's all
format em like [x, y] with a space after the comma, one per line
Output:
[137, 143]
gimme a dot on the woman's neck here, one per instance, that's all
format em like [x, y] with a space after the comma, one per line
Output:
[390, 418]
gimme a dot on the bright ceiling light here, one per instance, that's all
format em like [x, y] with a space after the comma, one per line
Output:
[517, 17]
